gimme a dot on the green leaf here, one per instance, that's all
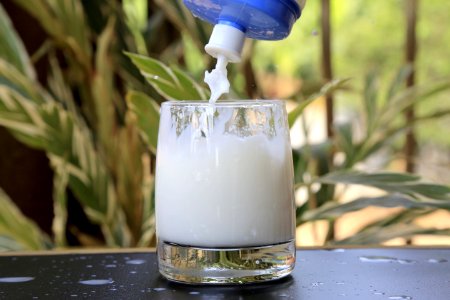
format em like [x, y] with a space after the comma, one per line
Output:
[190, 85]
[299, 212]
[71, 144]
[402, 217]
[59, 87]
[325, 90]
[147, 112]
[148, 209]
[399, 81]
[391, 182]
[10, 76]
[355, 177]
[60, 182]
[375, 236]
[63, 20]
[315, 155]
[410, 97]
[172, 84]
[333, 210]
[370, 101]
[104, 92]
[433, 191]
[136, 12]
[293, 115]
[152, 67]
[12, 48]
[344, 134]
[300, 160]
[49, 127]
[16, 231]
[20, 116]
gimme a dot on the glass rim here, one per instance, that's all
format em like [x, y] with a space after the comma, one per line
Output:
[223, 103]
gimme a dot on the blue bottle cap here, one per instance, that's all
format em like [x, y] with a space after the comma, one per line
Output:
[261, 20]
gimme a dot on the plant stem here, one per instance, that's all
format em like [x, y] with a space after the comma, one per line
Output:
[327, 70]
[327, 73]
[411, 51]
[410, 114]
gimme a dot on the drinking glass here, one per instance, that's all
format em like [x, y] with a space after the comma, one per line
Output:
[225, 209]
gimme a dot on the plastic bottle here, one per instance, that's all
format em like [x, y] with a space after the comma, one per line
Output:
[236, 20]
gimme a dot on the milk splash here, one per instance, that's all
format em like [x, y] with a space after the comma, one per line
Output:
[217, 79]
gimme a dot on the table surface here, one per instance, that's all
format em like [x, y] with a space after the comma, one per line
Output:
[385, 273]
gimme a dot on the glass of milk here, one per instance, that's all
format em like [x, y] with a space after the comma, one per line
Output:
[224, 192]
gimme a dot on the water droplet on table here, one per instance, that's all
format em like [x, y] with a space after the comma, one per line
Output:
[96, 281]
[194, 293]
[159, 289]
[315, 284]
[406, 261]
[437, 260]
[135, 262]
[110, 266]
[400, 297]
[338, 250]
[377, 259]
[15, 279]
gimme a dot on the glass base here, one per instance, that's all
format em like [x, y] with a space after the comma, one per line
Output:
[195, 265]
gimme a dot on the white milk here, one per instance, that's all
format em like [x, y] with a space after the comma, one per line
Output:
[223, 190]
[217, 79]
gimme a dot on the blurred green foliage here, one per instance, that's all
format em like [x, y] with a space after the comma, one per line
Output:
[367, 36]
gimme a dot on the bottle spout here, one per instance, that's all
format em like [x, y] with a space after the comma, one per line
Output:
[226, 40]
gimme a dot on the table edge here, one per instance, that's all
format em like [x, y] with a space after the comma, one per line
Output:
[86, 251]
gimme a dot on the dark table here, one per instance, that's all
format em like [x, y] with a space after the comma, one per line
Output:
[387, 273]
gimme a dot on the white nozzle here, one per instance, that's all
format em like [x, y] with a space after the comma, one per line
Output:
[226, 40]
